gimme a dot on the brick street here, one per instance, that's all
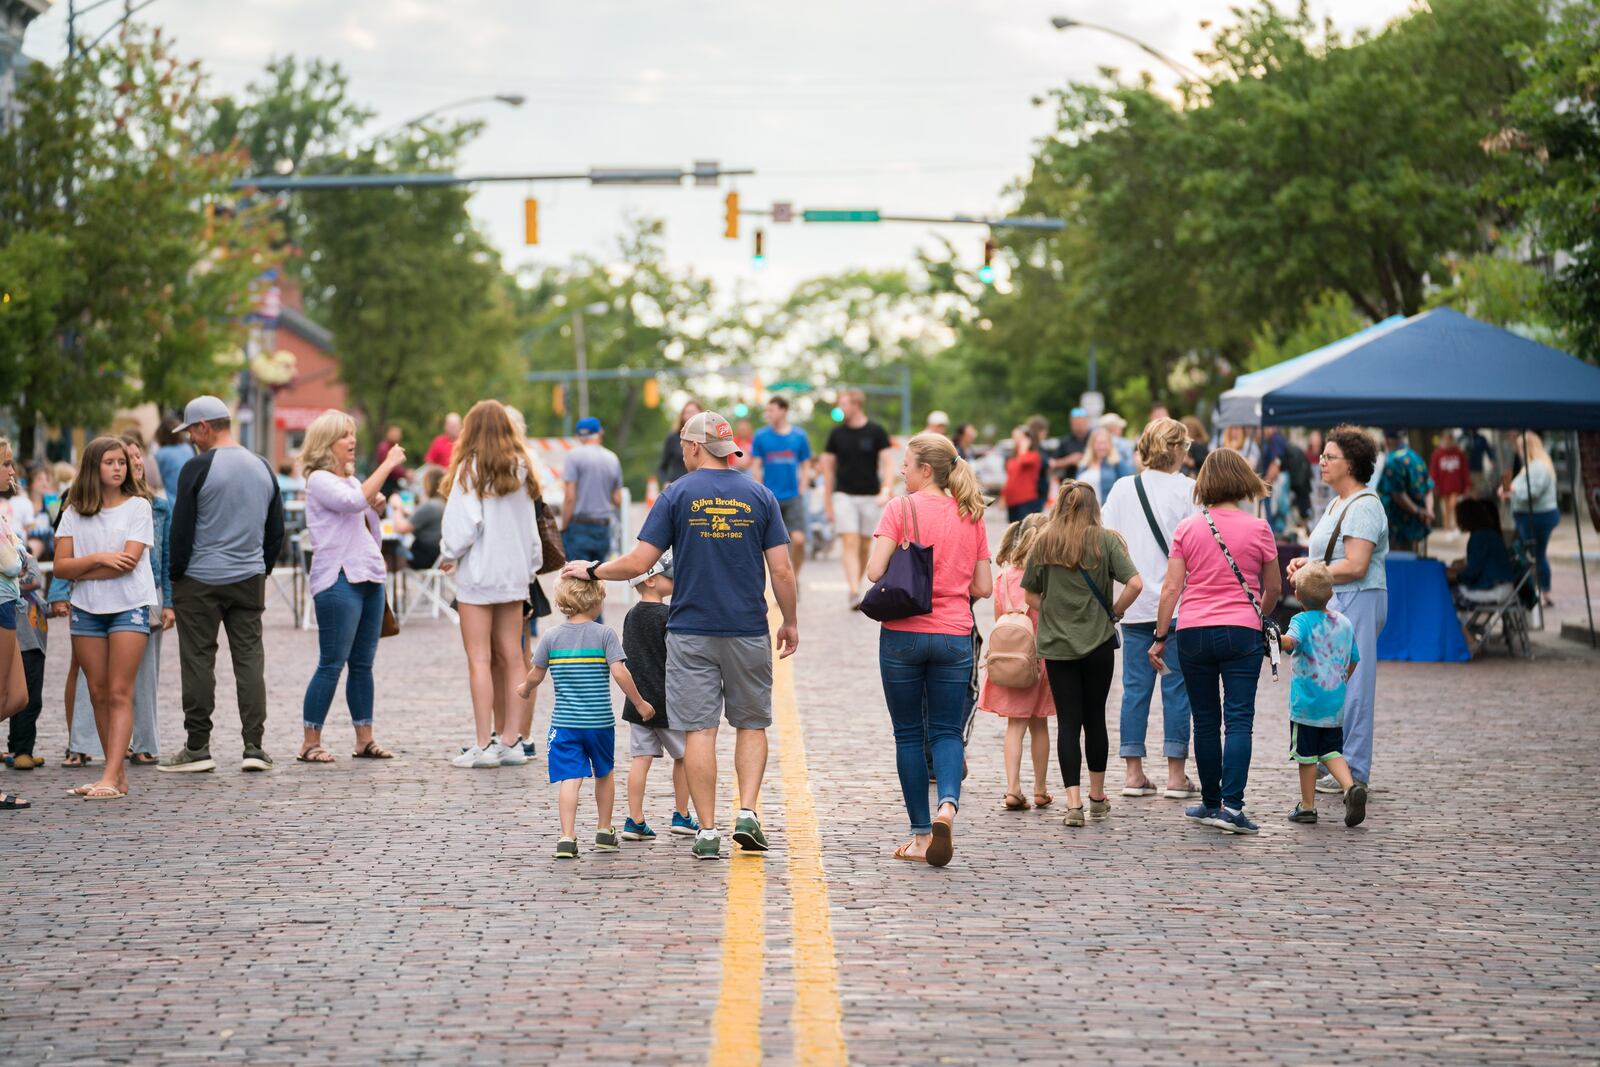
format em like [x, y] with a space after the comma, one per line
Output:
[411, 912]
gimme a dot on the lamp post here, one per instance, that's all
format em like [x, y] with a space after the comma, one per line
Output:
[508, 99]
[1061, 22]
[581, 351]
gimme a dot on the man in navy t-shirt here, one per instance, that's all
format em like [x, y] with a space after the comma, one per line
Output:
[727, 535]
[782, 455]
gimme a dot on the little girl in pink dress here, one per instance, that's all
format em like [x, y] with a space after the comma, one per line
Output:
[1026, 711]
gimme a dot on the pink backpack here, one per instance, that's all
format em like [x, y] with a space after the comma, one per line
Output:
[1012, 656]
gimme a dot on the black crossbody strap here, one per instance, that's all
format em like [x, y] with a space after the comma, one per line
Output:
[1149, 514]
[1236, 572]
[1098, 595]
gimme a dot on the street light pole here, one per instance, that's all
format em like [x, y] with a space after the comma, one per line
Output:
[580, 349]
[1061, 22]
[508, 99]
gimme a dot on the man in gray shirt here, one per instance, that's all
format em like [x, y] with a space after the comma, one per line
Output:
[227, 531]
[593, 477]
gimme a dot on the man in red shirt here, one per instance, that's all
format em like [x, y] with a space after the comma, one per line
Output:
[443, 446]
[1448, 468]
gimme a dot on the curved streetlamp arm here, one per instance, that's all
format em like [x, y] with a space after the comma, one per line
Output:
[1062, 23]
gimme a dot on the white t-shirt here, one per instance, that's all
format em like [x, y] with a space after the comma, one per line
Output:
[1172, 500]
[109, 531]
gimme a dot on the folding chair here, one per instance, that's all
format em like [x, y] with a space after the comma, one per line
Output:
[434, 589]
[1508, 612]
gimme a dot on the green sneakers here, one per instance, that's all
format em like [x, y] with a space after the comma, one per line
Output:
[1100, 809]
[187, 762]
[605, 839]
[707, 848]
[255, 759]
[1073, 817]
[567, 848]
[747, 832]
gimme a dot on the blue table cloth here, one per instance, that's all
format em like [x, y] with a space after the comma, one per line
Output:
[1422, 625]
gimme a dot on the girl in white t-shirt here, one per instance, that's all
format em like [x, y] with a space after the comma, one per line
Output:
[102, 549]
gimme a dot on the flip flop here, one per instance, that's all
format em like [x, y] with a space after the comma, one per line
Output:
[80, 790]
[1189, 791]
[144, 759]
[309, 755]
[103, 792]
[901, 854]
[942, 847]
[1147, 790]
[1020, 805]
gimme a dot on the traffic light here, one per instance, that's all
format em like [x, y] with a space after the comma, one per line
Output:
[652, 393]
[530, 221]
[761, 254]
[558, 400]
[731, 203]
[986, 272]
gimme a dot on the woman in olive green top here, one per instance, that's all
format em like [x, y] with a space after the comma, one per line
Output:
[1069, 581]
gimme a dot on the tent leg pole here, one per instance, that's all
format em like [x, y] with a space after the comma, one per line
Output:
[1579, 506]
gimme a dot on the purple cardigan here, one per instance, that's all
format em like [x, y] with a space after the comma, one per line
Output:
[345, 535]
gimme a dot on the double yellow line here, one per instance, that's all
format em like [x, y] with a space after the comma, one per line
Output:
[817, 1022]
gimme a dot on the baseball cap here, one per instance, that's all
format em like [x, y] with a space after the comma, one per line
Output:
[203, 409]
[938, 418]
[660, 566]
[1080, 413]
[712, 432]
[588, 426]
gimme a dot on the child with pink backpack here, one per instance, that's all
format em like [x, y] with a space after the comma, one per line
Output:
[1014, 683]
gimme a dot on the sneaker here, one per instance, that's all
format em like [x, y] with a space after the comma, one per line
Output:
[529, 749]
[708, 848]
[506, 755]
[187, 762]
[475, 757]
[637, 831]
[567, 848]
[1199, 813]
[1237, 822]
[747, 832]
[684, 825]
[1073, 817]
[1327, 783]
[1100, 809]
[255, 759]
[1355, 804]
[26, 762]
[605, 839]
[1303, 814]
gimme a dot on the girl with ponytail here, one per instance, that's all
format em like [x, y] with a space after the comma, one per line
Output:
[926, 660]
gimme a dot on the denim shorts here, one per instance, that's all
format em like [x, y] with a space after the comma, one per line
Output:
[96, 624]
[8, 615]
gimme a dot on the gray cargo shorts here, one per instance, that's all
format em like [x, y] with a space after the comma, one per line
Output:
[709, 677]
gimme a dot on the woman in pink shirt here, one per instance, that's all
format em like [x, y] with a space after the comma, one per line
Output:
[1219, 636]
[347, 575]
[926, 660]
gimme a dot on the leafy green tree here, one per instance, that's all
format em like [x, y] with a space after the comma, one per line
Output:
[1501, 291]
[1328, 318]
[131, 270]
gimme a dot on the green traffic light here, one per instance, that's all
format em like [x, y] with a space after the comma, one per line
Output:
[838, 414]
[986, 274]
[741, 410]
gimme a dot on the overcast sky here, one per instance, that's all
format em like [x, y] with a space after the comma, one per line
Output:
[918, 108]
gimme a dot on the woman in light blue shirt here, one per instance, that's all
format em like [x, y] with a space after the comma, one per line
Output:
[1532, 495]
[1356, 558]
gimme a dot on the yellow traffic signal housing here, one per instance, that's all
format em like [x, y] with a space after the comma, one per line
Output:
[558, 400]
[530, 221]
[731, 231]
[652, 393]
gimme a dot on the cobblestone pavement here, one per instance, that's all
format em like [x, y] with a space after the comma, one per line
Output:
[411, 912]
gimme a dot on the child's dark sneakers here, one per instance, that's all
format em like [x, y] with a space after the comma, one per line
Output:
[605, 839]
[1303, 814]
[1355, 804]
[567, 848]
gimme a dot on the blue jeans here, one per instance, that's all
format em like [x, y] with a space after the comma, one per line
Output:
[1139, 685]
[1535, 531]
[925, 683]
[349, 620]
[585, 541]
[1221, 666]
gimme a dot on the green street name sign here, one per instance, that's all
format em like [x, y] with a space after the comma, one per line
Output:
[870, 215]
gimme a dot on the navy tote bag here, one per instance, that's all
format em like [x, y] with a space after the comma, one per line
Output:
[906, 588]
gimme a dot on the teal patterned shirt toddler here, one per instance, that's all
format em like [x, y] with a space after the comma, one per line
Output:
[579, 656]
[1324, 649]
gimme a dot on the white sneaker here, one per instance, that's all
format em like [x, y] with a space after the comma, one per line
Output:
[506, 755]
[475, 757]
[1327, 783]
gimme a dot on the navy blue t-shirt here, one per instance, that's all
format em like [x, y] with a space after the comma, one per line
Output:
[718, 524]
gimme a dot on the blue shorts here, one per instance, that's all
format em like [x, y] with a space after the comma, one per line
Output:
[95, 624]
[574, 752]
[1315, 744]
[8, 615]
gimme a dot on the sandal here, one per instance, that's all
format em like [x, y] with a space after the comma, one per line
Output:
[942, 847]
[372, 750]
[80, 790]
[1043, 800]
[15, 803]
[76, 759]
[1018, 805]
[104, 792]
[143, 759]
[315, 754]
[903, 853]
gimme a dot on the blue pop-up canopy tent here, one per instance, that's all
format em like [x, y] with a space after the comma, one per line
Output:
[1439, 368]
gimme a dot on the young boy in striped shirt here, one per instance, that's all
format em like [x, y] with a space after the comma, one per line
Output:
[582, 657]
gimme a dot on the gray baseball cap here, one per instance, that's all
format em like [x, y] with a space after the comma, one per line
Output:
[661, 566]
[204, 409]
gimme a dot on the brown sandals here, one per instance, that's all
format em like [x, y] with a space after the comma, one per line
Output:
[372, 750]
[1015, 802]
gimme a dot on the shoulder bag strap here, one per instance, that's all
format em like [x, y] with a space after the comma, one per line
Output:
[1333, 539]
[915, 536]
[1236, 572]
[1005, 598]
[1149, 515]
[1098, 595]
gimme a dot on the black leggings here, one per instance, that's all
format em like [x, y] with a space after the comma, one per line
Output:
[1079, 688]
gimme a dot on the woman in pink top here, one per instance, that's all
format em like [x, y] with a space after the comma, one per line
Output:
[1219, 636]
[347, 576]
[926, 660]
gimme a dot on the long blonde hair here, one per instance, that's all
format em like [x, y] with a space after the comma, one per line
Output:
[1073, 537]
[491, 454]
[1533, 448]
[1016, 544]
[950, 473]
[316, 454]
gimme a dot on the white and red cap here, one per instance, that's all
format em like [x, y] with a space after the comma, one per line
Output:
[711, 432]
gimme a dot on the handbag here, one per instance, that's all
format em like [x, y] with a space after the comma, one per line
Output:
[552, 557]
[538, 604]
[906, 588]
[391, 624]
[1116, 638]
[1270, 633]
